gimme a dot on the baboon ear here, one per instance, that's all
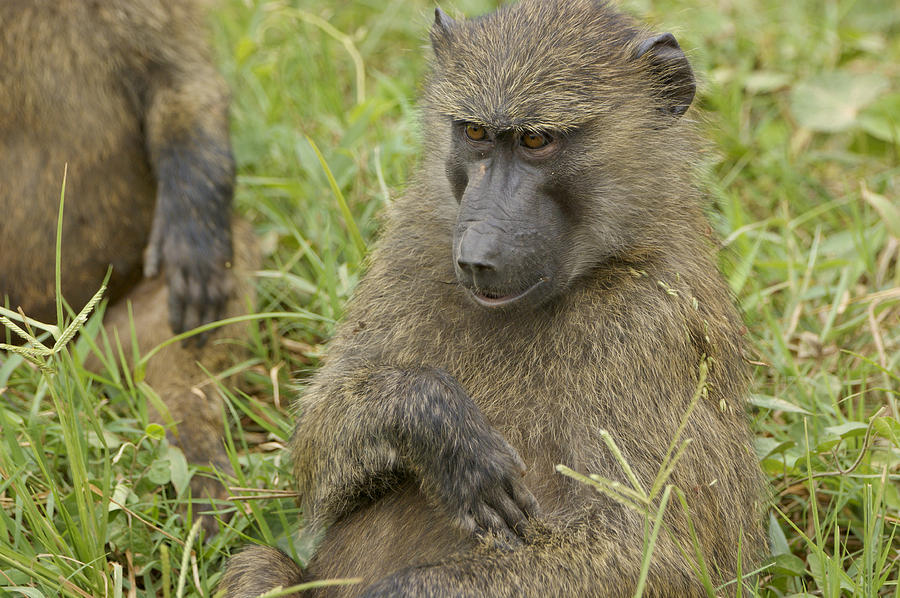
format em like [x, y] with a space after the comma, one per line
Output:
[440, 31]
[673, 71]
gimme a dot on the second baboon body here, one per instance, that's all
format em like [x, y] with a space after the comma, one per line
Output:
[122, 96]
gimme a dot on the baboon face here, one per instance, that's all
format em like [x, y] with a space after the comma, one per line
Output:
[551, 110]
[512, 218]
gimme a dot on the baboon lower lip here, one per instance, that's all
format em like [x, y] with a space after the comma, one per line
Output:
[486, 299]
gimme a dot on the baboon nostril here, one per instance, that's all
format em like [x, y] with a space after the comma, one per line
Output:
[475, 266]
[475, 252]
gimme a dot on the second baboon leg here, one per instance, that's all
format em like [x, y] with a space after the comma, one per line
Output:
[258, 569]
[176, 373]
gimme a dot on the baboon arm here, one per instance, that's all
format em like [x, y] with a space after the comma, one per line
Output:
[189, 149]
[587, 562]
[359, 432]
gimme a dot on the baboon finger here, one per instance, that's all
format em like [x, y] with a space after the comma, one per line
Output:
[217, 302]
[493, 523]
[518, 463]
[176, 301]
[525, 499]
[466, 523]
[152, 261]
[511, 456]
[512, 514]
[195, 304]
[153, 253]
[213, 310]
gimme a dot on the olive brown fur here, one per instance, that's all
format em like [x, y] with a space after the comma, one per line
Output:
[547, 275]
[123, 96]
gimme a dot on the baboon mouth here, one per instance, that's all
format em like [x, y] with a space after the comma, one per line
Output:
[492, 298]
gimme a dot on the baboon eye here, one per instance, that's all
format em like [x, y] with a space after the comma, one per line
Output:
[475, 132]
[533, 140]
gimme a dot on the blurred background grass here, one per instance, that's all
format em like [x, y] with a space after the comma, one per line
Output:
[801, 102]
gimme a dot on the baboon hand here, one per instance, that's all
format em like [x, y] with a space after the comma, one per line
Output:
[418, 422]
[461, 461]
[195, 260]
[480, 481]
[489, 495]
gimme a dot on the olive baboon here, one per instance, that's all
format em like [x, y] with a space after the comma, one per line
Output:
[125, 93]
[546, 276]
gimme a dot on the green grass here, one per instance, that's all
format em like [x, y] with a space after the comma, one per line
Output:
[802, 105]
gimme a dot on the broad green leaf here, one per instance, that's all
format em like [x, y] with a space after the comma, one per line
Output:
[777, 539]
[788, 564]
[773, 466]
[111, 441]
[766, 81]
[888, 428]
[155, 431]
[178, 469]
[887, 209]
[119, 497]
[776, 404]
[847, 430]
[882, 118]
[829, 442]
[834, 434]
[766, 446]
[820, 571]
[160, 471]
[831, 102]
[891, 494]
